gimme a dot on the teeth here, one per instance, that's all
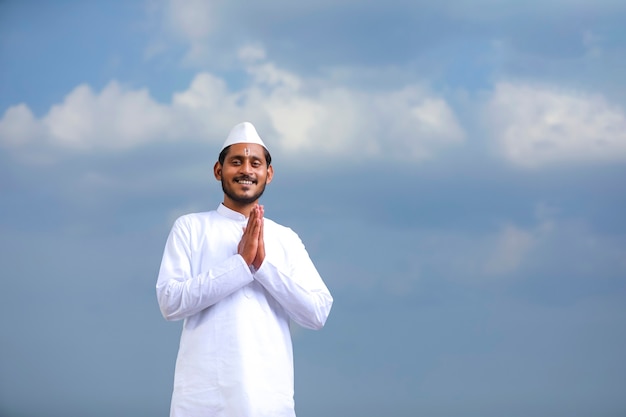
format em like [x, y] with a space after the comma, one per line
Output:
[245, 182]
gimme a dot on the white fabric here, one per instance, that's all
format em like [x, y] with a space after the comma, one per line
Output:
[243, 133]
[235, 354]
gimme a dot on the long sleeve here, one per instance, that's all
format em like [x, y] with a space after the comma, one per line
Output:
[292, 280]
[185, 286]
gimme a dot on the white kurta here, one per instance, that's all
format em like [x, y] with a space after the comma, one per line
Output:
[235, 356]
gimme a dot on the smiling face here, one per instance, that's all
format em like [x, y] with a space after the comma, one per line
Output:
[244, 175]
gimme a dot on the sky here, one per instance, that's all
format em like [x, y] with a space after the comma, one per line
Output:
[455, 168]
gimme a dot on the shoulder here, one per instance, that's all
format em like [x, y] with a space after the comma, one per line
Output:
[280, 231]
[190, 220]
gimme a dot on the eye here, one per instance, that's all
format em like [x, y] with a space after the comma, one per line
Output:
[235, 162]
[256, 164]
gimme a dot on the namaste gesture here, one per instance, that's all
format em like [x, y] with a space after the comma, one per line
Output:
[251, 246]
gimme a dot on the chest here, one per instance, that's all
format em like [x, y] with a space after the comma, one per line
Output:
[213, 242]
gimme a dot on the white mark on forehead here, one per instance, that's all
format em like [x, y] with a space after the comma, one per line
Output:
[246, 151]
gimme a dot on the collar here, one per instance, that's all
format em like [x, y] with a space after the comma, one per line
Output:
[231, 214]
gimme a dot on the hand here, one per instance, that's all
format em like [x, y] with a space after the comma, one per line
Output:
[260, 253]
[249, 243]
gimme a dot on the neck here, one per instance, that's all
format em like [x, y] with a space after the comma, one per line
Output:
[244, 209]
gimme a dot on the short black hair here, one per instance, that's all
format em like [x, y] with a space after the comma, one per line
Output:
[222, 157]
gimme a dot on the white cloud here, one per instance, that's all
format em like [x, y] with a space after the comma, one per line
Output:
[192, 19]
[116, 118]
[412, 255]
[297, 114]
[536, 126]
[488, 256]
[251, 53]
[511, 246]
[18, 126]
[191, 23]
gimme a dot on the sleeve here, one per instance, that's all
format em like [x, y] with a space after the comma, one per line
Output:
[181, 294]
[296, 284]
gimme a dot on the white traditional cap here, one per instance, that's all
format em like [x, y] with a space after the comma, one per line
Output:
[243, 133]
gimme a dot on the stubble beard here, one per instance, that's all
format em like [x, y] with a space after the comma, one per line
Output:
[239, 199]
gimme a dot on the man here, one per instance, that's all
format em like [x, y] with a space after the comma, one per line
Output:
[237, 279]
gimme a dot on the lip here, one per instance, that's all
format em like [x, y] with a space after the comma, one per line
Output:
[246, 182]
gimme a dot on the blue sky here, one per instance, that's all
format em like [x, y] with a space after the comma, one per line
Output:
[456, 170]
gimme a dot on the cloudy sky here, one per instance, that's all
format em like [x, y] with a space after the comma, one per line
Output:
[456, 169]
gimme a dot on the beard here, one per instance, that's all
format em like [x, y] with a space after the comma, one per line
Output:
[242, 199]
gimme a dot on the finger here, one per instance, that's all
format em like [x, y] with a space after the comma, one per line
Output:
[251, 219]
[254, 228]
[261, 222]
[260, 253]
[252, 216]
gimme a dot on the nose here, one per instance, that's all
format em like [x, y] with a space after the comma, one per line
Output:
[246, 167]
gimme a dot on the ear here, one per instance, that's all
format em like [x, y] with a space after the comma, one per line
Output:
[217, 171]
[270, 174]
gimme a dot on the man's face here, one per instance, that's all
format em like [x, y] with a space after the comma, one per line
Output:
[244, 174]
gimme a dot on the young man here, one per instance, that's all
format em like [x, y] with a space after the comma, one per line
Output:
[237, 279]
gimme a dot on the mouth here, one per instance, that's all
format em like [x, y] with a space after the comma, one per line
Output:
[244, 181]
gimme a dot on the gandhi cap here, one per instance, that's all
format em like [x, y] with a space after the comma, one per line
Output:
[243, 133]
